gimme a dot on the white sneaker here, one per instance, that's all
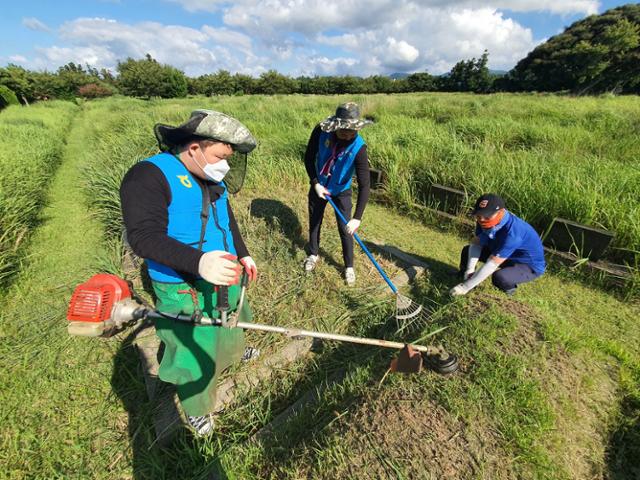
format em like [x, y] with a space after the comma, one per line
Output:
[202, 425]
[310, 262]
[350, 276]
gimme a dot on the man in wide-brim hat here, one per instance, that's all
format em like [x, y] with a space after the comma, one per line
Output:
[509, 246]
[335, 151]
[177, 215]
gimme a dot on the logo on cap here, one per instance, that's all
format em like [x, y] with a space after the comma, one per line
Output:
[483, 203]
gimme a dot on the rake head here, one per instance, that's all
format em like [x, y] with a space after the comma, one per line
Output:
[406, 308]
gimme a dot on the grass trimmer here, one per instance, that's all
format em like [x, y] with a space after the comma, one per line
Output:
[405, 307]
[105, 304]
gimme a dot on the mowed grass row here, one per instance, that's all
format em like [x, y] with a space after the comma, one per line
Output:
[523, 360]
[31, 143]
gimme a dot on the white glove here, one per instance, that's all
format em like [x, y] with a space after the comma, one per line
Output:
[249, 267]
[481, 275]
[321, 191]
[218, 267]
[458, 290]
[474, 256]
[352, 226]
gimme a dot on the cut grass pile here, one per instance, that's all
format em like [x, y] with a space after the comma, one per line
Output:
[31, 144]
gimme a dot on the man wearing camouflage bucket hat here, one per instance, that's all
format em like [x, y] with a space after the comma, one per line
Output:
[177, 215]
[335, 150]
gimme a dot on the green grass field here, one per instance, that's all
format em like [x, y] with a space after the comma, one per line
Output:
[549, 385]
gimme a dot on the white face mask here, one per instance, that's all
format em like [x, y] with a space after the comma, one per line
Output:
[215, 171]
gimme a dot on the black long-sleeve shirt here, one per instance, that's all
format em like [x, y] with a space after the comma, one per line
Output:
[145, 196]
[361, 163]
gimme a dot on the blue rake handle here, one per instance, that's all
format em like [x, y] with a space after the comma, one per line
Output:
[394, 289]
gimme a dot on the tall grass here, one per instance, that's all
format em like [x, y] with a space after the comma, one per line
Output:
[577, 158]
[418, 139]
[547, 156]
[31, 144]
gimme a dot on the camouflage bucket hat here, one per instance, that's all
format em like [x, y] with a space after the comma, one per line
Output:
[206, 124]
[347, 117]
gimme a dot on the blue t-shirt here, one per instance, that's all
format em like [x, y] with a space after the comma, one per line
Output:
[516, 240]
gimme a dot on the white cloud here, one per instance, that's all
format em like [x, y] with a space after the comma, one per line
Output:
[328, 66]
[18, 59]
[102, 42]
[398, 53]
[224, 36]
[435, 40]
[33, 23]
[99, 57]
[361, 37]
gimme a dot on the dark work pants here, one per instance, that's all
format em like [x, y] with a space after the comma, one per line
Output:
[508, 276]
[316, 214]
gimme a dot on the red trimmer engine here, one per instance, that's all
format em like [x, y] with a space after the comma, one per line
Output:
[101, 306]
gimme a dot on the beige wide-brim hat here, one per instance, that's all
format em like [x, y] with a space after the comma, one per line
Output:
[347, 117]
[209, 125]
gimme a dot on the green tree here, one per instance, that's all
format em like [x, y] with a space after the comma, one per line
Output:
[7, 97]
[382, 84]
[314, 85]
[245, 84]
[19, 81]
[70, 78]
[421, 82]
[46, 85]
[597, 54]
[148, 78]
[272, 82]
[220, 83]
[469, 76]
[347, 84]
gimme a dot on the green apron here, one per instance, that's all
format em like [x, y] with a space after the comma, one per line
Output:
[195, 355]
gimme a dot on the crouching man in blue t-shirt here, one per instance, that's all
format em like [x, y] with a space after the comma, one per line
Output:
[509, 246]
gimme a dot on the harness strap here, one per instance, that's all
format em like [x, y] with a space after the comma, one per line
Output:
[188, 278]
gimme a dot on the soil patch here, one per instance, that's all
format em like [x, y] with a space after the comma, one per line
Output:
[389, 437]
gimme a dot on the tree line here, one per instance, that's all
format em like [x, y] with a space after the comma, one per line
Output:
[600, 53]
[147, 78]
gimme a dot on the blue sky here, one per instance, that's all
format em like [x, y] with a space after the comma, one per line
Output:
[296, 37]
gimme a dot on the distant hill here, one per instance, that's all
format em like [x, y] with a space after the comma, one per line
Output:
[600, 53]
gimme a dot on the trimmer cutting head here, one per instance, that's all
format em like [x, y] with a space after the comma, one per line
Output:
[407, 361]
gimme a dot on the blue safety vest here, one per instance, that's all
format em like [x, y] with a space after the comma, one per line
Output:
[340, 174]
[185, 212]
